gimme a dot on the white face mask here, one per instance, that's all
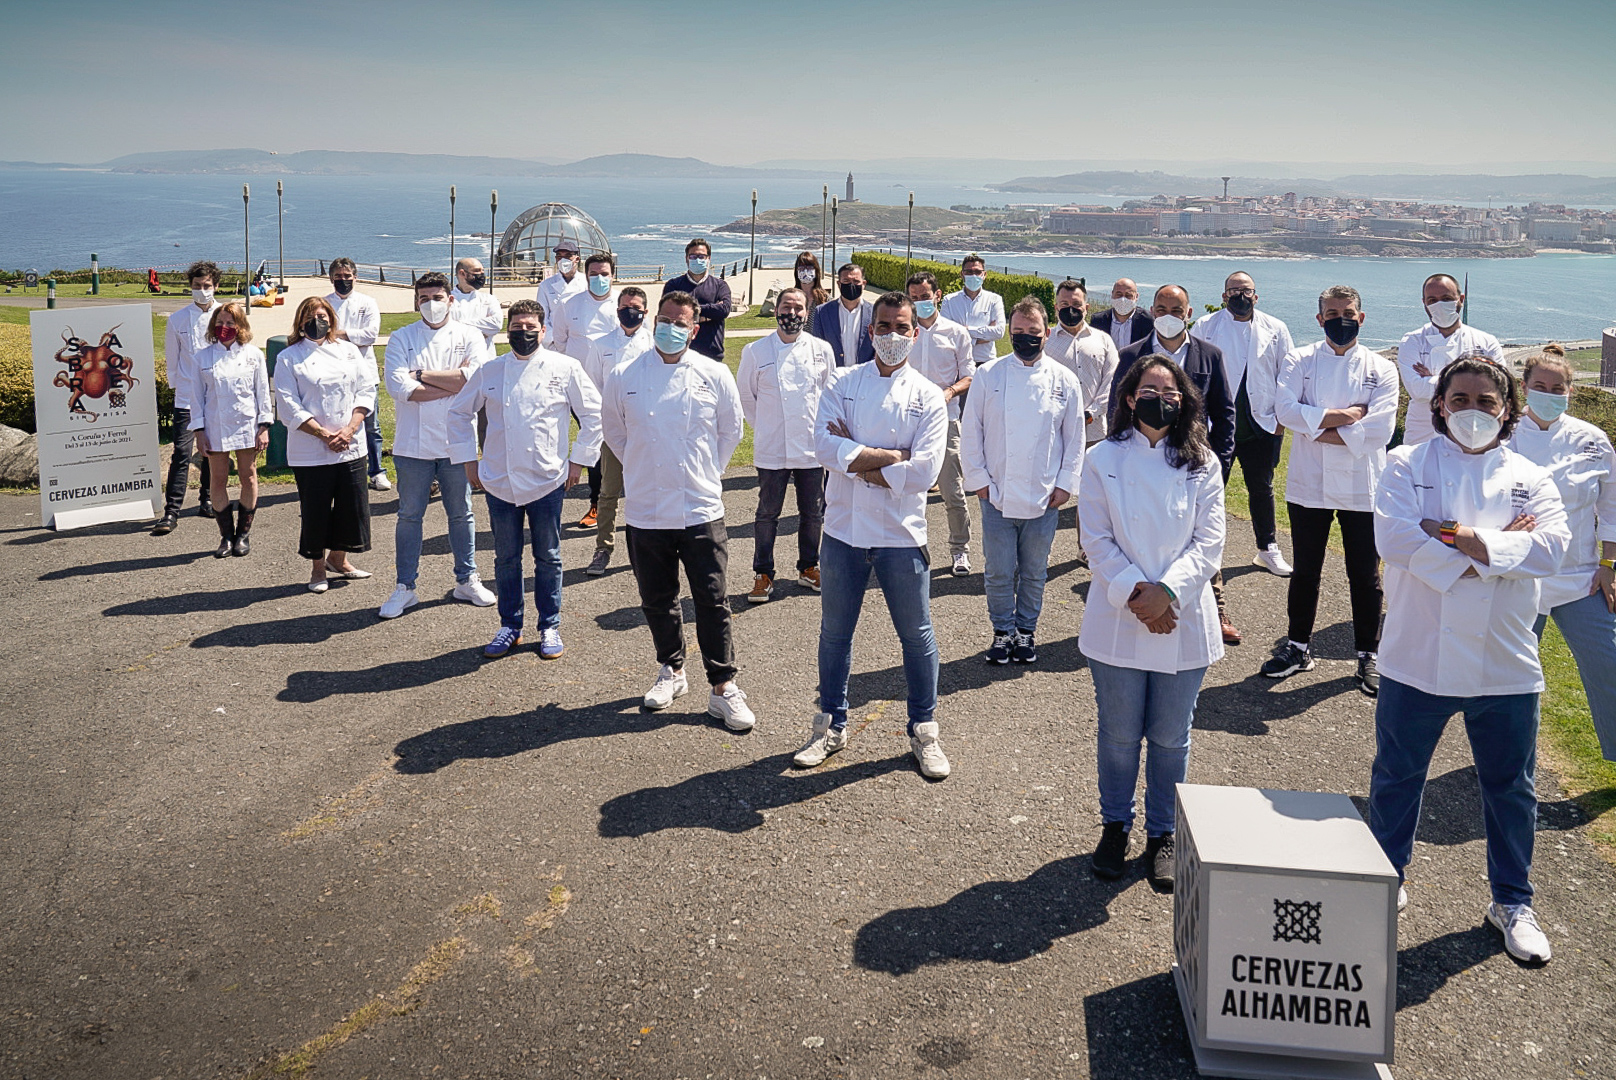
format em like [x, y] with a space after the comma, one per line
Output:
[893, 349]
[1473, 429]
[1169, 326]
[203, 297]
[806, 275]
[564, 266]
[434, 311]
[1444, 313]
[1123, 306]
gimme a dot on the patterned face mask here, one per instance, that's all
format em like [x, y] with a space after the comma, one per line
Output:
[791, 322]
[893, 349]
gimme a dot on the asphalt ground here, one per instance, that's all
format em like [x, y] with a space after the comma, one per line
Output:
[252, 831]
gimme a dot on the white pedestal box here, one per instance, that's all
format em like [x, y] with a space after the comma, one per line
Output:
[1285, 935]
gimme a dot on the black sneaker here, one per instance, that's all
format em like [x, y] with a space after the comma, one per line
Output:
[1368, 675]
[1110, 859]
[1025, 650]
[1159, 860]
[999, 651]
[1288, 660]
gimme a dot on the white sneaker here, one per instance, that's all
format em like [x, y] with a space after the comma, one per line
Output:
[731, 707]
[824, 742]
[1271, 560]
[473, 592]
[1522, 937]
[669, 685]
[379, 482]
[929, 752]
[402, 600]
[1402, 898]
[962, 564]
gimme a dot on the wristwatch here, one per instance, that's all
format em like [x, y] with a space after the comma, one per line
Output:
[1450, 532]
[1608, 564]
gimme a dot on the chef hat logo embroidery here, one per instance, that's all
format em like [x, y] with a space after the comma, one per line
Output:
[1297, 920]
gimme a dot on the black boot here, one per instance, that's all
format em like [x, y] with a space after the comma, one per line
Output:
[206, 510]
[243, 527]
[227, 530]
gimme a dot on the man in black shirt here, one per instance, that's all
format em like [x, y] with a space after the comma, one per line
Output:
[711, 292]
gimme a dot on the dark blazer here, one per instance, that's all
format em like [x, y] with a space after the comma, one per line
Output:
[827, 327]
[1203, 363]
[1143, 324]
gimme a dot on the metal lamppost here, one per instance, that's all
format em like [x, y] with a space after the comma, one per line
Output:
[833, 230]
[908, 244]
[246, 242]
[751, 258]
[824, 204]
[451, 229]
[280, 229]
[493, 215]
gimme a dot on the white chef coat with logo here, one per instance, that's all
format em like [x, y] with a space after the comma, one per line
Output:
[480, 311]
[674, 427]
[1427, 346]
[1022, 435]
[1252, 350]
[1314, 380]
[581, 318]
[232, 396]
[555, 290]
[1578, 455]
[1145, 521]
[420, 428]
[1091, 355]
[614, 349]
[780, 385]
[942, 352]
[530, 404]
[1447, 634]
[359, 319]
[184, 338]
[982, 316]
[903, 411]
[324, 383]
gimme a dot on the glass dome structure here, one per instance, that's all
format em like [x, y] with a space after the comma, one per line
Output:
[530, 239]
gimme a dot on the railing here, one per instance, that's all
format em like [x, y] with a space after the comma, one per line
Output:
[231, 282]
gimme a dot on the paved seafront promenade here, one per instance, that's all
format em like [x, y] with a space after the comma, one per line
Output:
[251, 831]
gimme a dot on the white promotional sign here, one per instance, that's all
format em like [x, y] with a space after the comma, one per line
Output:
[95, 408]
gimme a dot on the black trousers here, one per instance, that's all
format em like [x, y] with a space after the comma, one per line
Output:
[1259, 457]
[594, 474]
[179, 466]
[772, 484]
[1310, 537]
[703, 550]
[335, 506]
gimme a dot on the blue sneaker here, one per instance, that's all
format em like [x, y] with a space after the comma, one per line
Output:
[504, 641]
[550, 647]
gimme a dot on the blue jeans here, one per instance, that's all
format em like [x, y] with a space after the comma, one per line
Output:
[543, 520]
[1503, 740]
[1015, 554]
[904, 575]
[373, 442]
[415, 476]
[1158, 708]
[1589, 629]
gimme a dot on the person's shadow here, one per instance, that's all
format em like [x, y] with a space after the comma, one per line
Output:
[1137, 1029]
[507, 736]
[1451, 811]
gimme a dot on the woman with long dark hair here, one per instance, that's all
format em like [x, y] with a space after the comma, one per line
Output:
[807, 276]
[1150, 507]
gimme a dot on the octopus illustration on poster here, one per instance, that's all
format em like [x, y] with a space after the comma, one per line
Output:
[94, 371]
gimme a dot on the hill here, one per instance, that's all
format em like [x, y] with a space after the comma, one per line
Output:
[853, 218]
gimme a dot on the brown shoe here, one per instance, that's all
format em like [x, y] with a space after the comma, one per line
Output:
[588, 520]
[809, 578]
[1231, 636]
[762, 589]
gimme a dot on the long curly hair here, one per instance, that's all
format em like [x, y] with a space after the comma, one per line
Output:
[1187, 439]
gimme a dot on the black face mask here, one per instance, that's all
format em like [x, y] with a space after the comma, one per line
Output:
[850, 291]
[1155, 412]
[630, 317]
[1341, 332]
[524, 342]
[792, 322]
[1070, 316]
[318, 329]
[1240, 305]
[475, 281]
[1027, 346]
[344, 286]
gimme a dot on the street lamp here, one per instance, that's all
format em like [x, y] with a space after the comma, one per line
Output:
[751, 258]
[824, 203]
[833, 230]
[493, 214]
[246, 241]
[451, 229]
[280, 230]
[908, 244]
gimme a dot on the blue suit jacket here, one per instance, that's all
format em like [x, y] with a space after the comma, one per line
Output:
[1203, 363]
[1143, 324]
[827, 327]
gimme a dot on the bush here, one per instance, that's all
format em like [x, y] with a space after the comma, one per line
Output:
[885, 272]
[17, 380]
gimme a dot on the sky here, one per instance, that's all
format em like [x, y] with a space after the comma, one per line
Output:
[1480, 85]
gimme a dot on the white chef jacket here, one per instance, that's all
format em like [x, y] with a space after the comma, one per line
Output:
[582, 317]
[480, 311]
[1091, 355]
[614, 349]
[1450, 635]
[555, 291]
[903, 411]
[1578, 456]
[325, 383]
[1252, 351]
[529, 404]
[780, 385]
[420, 428]
[1427, 346]
[1022, 436]
[231, 396]
[942, 353]
[982, 316]
[359, 319]
[1313, 380]
[185, 336]
[674, 427]
[1143, 520]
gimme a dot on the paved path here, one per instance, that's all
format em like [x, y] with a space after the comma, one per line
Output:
[241, 820]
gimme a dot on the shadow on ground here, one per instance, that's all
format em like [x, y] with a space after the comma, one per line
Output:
[507, 736]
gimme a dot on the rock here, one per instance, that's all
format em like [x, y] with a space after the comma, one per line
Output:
[19, 458]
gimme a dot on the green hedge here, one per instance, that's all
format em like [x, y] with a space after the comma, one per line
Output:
[885, 272]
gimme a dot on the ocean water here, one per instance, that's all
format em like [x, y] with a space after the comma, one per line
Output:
[56, 219]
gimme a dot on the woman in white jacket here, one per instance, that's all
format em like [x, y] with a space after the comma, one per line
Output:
[1150, 506]
[231, 412]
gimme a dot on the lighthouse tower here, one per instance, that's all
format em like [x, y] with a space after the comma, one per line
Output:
[850, 197]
